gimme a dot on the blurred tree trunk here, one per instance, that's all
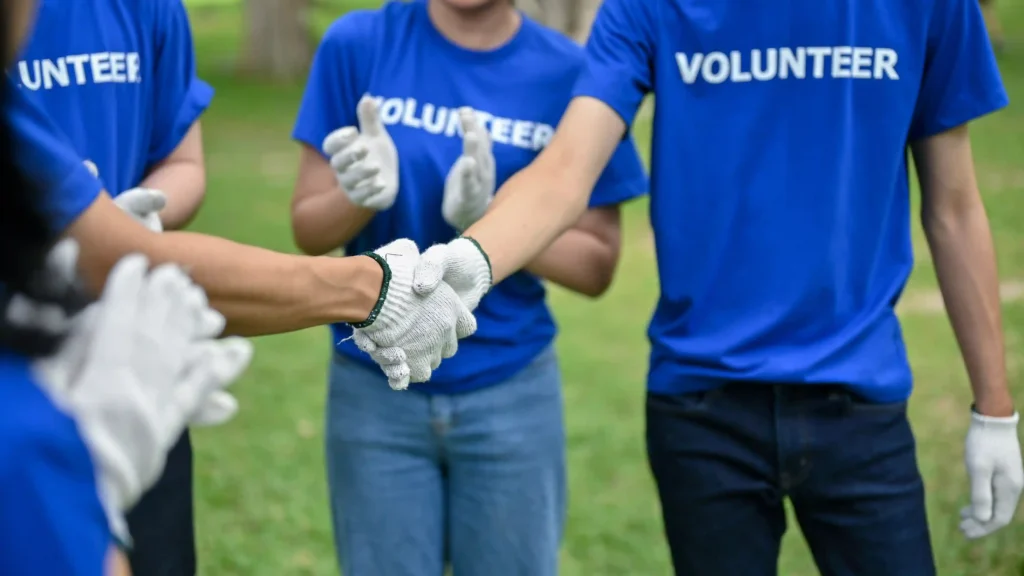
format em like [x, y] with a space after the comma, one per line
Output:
[278, 41]
[570, 17]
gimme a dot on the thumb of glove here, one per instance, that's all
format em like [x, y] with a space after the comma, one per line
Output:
[368, 113]
[141, 201]
[468, 174]
[218, 408]
[981, 494]
[465, 325]
[430, 270]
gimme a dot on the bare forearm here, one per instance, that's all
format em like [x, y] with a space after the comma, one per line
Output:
[546, 198]
[184, 184]
[964, 256]
[259, 291]
[578, 261]
[525, 219]
[117, 563]
[325, 222]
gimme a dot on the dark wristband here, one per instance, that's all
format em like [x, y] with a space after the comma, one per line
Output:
[385, 283]
[487, 260]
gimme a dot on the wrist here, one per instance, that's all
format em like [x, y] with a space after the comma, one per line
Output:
[367, 287]
[994, 408]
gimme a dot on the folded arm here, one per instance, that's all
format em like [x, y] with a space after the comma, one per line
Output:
[583, 259]
[182, 178]
[323, 217]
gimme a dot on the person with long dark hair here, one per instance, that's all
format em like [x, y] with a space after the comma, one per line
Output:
[91, 402]
[123, 92]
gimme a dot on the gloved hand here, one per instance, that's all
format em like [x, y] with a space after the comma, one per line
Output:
[470, 184]
[993, 457]
[413, 331]
[57, 280]
[365, 160]
[143, 204]
[462, 264]
[134, 370]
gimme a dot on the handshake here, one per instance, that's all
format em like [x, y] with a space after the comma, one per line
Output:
[427, 300]
[426, 305]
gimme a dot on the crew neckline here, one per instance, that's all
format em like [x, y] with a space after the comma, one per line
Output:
[469, 53]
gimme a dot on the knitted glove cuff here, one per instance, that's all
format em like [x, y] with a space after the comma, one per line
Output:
[487, 281]
[994, 422]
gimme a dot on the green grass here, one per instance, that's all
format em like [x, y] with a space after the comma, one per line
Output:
[261, 498]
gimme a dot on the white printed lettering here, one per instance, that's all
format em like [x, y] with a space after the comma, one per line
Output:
[100, 67]
[55, 72]
[861, 63]
[409, 116]
[885, 62]
[736, 73]
[439, 120]
[771, 64]
[835, 62]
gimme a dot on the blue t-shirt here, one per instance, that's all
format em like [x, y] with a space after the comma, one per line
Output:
[779, 196]
[118, 78]
[51, 519]
[49, 161]
[520, 89]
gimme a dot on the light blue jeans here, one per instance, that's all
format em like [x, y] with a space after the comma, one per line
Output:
[474, 480]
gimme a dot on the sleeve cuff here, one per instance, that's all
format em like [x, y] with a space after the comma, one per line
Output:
[72, 197]
[611, 95]
[196, 101]
[620, 193]
[964, 115]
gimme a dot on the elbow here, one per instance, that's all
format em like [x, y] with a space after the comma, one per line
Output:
[939, 219]
[601, 279]
[308, 244]
[305, 237]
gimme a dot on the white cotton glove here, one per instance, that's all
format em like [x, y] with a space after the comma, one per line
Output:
[993, 457]
[135, 369]
[470, 184]
[143, 204]
[413, 331]
[364, 159]
[58, 277]
[462, 264]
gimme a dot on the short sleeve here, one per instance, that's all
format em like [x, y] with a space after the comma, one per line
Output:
[961, 79]
[51, 519]
[618, 68]
[623, 178]
[337, 79]
[50, 162]
[180, 96]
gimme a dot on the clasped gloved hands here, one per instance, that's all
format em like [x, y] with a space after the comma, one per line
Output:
[135, 368]
[411, 331]
[425, 308]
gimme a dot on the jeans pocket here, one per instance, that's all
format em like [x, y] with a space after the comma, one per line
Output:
[688, 403]
[857, 404]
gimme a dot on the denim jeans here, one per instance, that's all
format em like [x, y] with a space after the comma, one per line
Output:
[474, 480]
[725, 460]
[161, 524]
